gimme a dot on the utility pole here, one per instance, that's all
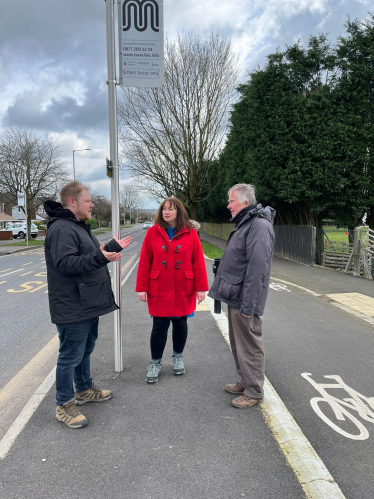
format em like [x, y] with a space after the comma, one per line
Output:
[113, 142]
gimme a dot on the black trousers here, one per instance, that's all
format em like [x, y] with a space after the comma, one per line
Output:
[159, 335]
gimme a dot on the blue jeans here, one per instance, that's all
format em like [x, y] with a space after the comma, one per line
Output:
[77, 342]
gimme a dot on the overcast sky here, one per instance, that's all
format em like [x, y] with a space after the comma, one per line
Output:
[53, 59]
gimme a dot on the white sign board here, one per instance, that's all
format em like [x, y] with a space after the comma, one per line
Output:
[141, 43]
[21, 198]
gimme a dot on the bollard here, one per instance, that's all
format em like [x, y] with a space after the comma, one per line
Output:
[217, 303]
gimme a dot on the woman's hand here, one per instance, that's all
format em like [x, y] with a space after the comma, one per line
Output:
[142, 296]
[200, 295]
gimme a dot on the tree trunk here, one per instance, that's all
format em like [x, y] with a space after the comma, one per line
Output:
[194, 211]
[29, 219]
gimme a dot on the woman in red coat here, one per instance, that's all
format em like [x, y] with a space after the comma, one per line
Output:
[171, 276]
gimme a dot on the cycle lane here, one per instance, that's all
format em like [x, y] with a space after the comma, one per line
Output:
[305, 335]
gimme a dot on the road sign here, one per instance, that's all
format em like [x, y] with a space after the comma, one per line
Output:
[141, 43]
[21, 198]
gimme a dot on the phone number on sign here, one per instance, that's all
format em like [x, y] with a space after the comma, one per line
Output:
[136, 49]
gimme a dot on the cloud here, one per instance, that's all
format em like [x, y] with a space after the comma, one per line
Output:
[53, 58]
[40, 109]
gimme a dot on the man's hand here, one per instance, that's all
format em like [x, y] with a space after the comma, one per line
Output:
[142, 296]
[111, 256]
[123, 242]
[200, 295]
[246, 316]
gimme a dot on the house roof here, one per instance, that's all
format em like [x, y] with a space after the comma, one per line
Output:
[6, 218]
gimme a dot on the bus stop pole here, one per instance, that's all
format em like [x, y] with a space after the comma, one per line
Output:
[113, 142]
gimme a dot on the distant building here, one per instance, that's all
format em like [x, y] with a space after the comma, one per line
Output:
[4, 217]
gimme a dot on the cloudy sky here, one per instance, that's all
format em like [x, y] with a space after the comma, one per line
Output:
[53, 59]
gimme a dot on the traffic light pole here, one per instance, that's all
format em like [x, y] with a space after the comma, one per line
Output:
[113, 142]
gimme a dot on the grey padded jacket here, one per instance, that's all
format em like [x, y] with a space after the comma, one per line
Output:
[242, 279]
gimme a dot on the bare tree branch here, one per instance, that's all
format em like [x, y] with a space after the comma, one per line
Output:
[170, 136]
[32, 165]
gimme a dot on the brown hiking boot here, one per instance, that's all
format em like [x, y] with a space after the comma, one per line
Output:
[69, 415]
[245, 401]
[94, 394]
[235, 388]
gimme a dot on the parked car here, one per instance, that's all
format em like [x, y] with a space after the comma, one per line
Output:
[147, 225]
[19, 229]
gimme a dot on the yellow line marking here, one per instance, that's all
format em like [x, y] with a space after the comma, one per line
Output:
[6, 270]
[28, 263]
[45, 266]
[41, 274]
[26, 287]
[26, 273]
[28, 372]
[2, 282]
[40, 287]
[18, 390]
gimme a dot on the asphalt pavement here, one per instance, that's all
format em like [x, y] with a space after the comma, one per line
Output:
[181, 437]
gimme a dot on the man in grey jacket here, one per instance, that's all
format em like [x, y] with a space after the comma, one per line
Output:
[79, 291]
[242, 281]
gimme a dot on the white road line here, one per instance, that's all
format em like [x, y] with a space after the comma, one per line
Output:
[24, 416]
[14, 271]
[296, 286]
[129, 272]
[366, 318]
[308, 467]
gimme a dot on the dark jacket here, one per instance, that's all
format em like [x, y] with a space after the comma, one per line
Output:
[79, 286]
[242, 279]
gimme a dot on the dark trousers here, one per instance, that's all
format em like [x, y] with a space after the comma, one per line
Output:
[77, 342]
[159, 335]
[247, 347]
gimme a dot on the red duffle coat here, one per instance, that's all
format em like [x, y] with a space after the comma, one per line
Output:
[171, 272]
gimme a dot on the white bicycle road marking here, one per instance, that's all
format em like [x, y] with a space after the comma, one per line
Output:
[279, 287]
[342, 407]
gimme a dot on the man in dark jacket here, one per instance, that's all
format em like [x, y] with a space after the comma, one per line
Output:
[242, 281]
[79, 291]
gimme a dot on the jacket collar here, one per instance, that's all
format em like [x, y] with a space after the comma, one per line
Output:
[164, 234]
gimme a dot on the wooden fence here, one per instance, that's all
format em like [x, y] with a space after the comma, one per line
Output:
[302, 244]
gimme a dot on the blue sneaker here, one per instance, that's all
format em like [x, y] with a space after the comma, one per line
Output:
[153, 370]
[178, 364]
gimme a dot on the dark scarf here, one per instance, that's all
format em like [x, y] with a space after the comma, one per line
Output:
[242, 213]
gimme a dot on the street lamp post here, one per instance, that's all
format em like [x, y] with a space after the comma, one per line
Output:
[74, 151]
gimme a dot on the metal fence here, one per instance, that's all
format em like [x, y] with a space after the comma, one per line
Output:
[295, 242]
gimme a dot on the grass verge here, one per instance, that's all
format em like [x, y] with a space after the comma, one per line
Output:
[32, 242]
[211, 251]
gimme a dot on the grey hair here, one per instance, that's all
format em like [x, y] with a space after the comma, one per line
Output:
[245, 192]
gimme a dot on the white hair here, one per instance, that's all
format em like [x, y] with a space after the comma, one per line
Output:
[245, 192]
